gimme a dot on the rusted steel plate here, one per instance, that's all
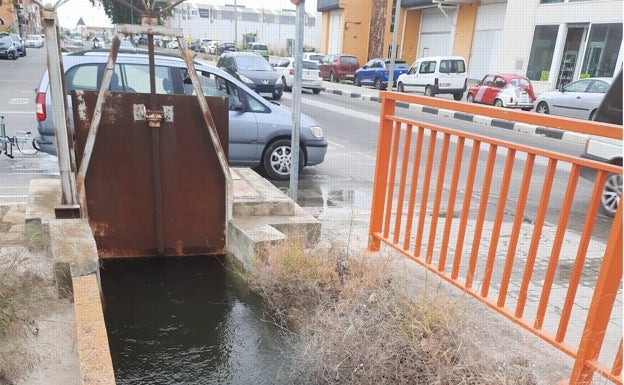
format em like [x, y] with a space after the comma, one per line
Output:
[120, 186]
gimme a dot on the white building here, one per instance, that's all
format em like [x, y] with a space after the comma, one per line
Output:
[275, 28]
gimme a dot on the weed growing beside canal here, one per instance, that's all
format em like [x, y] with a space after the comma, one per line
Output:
[349, 320]
[21, 296]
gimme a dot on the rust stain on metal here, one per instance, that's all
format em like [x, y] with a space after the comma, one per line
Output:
[120, 185]
[100, 229]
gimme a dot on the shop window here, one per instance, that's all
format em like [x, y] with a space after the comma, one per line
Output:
[542, 50]
[603, 47]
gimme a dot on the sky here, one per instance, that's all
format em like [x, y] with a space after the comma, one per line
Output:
[70, 12]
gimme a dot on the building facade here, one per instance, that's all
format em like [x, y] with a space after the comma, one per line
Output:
[275, 28]
[552, 42]
[20, 16]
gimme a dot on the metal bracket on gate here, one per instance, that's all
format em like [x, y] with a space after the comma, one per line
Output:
[153, 117]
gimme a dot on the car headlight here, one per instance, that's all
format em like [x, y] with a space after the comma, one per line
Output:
[245, 79]
[317, 131]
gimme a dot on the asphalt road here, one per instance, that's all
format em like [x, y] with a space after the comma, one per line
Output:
[344, 179]
[18, 82]
[351, 126]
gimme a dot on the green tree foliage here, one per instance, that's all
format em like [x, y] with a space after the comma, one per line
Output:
[119, 13]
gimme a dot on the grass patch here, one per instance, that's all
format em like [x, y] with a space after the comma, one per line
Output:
[21, 296]
[349, 320]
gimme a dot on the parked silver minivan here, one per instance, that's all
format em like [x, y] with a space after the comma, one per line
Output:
[259, 130]
[436, 75]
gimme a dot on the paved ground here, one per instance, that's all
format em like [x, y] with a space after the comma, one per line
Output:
[54, 341]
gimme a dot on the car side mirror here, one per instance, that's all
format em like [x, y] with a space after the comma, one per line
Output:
[365, 67]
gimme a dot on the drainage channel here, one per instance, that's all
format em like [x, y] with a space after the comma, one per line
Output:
[186, 320]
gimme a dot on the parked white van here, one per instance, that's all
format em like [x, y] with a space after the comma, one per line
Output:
[436, 75]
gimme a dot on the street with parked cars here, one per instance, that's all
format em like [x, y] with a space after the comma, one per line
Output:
[322, 113]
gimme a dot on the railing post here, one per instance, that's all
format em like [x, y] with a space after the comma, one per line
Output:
[384, 143]
[601, 306]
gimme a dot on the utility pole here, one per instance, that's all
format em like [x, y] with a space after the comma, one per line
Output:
[393, 54]
[296, 94]
[235, 26]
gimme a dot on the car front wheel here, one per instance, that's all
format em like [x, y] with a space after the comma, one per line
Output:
[277, 94]
[470, 98]
[458, 96]
[316, 91]
[378, 85]
[498, 103]
[277, 158]
[429, 91]
[286, 88]
[356, 81]
[400, 87]
[611, 193]
[542, 108]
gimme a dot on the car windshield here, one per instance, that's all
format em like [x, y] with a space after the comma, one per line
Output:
[253, 63]
[397, 63]
[33, 37]
[452, 66]
[310, 65]
[520, 82]
[260, 47]
[348, 60]
[5, 40]
[316, 57]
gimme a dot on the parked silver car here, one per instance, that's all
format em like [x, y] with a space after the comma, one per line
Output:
[579, 99]
[259, 131]
[35, 41]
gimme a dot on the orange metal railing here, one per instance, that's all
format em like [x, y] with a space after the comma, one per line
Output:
[537, 272]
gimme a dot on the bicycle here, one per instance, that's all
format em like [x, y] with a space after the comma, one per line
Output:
[24, 142]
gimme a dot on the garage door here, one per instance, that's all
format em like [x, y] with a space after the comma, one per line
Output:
[335, 32]
[436, 32]
[486, 40]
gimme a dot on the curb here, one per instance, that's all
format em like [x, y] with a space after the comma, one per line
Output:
[552, 133]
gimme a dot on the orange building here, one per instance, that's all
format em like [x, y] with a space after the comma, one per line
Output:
[20, 16]
[552, 42]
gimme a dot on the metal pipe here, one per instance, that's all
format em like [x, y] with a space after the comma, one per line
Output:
[58, 93]
[296, 108]
[393, 54]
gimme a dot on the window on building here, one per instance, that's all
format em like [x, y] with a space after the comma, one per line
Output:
[602, 50]
[550, 1]
[542, 51]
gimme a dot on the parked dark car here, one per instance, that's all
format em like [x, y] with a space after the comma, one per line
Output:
[253, 70]
[336, 67]
[606, 149]
[376, 73]
[225, 46]
[19, 44]
[7, 48]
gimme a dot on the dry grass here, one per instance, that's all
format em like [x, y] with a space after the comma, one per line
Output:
[350, 322]
[21, 298]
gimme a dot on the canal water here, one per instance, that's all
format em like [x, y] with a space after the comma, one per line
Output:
[188, 320]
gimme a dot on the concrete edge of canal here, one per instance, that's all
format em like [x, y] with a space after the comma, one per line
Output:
[261, 215]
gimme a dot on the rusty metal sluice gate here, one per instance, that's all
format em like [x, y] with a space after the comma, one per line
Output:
[152, 172]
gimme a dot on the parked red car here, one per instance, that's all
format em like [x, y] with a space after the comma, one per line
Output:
[503, 90]
[336, 67]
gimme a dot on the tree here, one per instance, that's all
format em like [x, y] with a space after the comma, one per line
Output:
[377, 29]
[119, 13]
